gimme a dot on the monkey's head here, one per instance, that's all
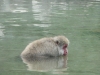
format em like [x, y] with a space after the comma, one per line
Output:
[62, 43]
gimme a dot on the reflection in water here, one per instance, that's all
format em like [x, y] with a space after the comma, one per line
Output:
[42, 7]
[14, 6]
[41, 12]
[46, 64]
[45, 11]
[1, 33]
[1, 30]
[6, 6]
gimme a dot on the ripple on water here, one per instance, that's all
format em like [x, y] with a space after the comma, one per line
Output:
[42, 25]
[15, 25]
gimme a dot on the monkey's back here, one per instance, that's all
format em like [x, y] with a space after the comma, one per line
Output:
[42, 47]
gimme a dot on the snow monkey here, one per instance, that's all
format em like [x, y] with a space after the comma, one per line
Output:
[47, 47]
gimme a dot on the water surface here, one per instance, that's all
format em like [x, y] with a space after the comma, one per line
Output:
[22, 21]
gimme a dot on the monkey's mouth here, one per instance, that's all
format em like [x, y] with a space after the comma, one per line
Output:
[65, 50]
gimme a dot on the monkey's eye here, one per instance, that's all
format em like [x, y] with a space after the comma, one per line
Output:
[57, 42]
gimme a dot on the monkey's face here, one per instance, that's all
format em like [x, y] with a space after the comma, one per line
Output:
[62, 43]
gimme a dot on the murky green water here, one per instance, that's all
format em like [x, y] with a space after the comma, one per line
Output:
[22, 21]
